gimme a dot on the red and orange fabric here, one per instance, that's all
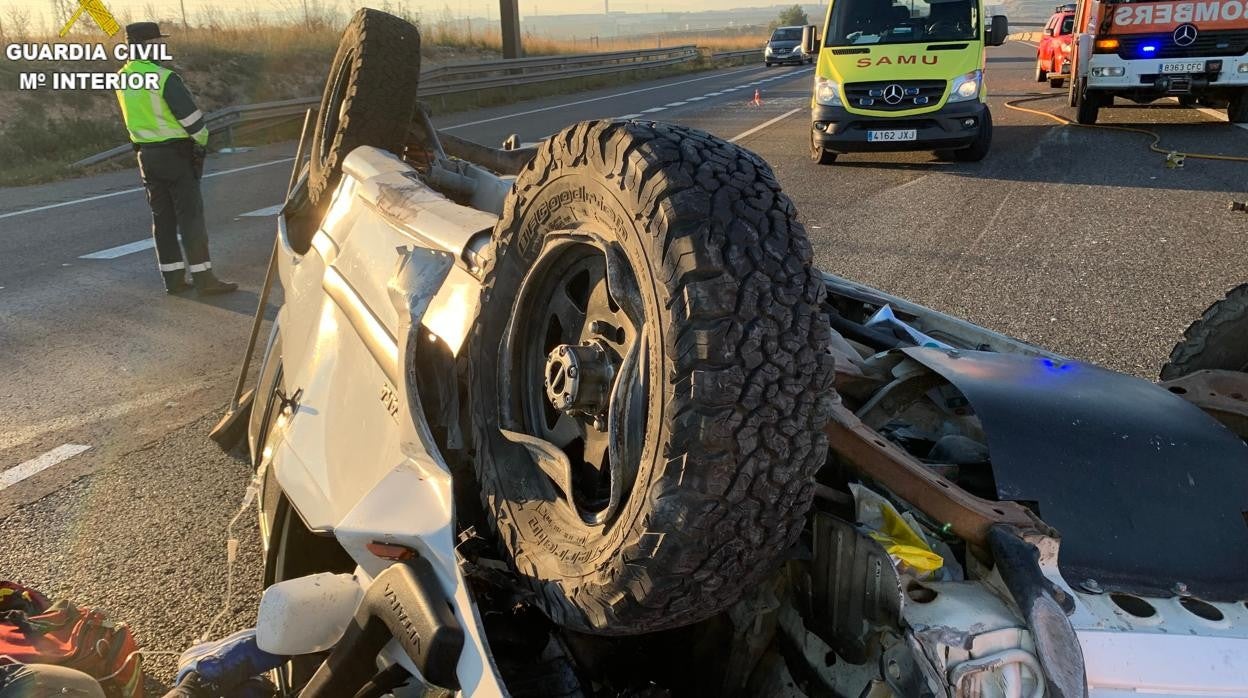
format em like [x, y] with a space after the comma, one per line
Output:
[35, 630]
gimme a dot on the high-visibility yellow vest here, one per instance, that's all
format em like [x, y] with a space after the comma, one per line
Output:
[148, 118]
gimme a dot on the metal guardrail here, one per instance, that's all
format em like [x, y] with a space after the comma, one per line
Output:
[457, 79]
[732, 55]
[450, 79]
[225, 120]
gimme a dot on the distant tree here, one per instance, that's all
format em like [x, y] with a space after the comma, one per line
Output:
[791, 17]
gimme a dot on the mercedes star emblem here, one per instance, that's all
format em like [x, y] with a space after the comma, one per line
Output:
[893, 94]
[1185, 34]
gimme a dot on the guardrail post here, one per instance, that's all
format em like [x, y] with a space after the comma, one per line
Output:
[509, 20]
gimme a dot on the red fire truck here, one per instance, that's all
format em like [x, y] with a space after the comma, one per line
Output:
[1148, 50]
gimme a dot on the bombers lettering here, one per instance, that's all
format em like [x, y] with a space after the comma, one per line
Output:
[901, 60]
[1180, 12]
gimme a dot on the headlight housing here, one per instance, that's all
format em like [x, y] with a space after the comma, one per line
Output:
[1108, 72]
[966, 87]
[828, 93]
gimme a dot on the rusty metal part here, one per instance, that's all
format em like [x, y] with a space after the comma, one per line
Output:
[969, 517]
[895, 397]
[508, 162]
[1223, 395]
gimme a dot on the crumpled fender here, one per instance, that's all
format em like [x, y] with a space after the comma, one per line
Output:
[1147, 491]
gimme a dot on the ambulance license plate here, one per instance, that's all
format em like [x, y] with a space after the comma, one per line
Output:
[1183, 67]
[900, 134]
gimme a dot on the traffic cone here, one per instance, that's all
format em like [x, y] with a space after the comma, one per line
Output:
[758, 98]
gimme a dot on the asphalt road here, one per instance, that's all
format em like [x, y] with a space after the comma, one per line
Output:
[1077, 239]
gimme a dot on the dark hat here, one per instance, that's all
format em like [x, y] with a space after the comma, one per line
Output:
[138, 32]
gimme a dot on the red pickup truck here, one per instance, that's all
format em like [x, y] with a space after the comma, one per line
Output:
[1053, 55]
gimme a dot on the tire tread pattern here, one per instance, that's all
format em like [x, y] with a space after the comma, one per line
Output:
[748, 371]
[1221, 329]
[379, 100]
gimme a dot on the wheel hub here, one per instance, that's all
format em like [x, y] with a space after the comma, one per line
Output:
[578, 378]
[576, 344]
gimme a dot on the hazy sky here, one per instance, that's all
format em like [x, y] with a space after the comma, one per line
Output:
[41, 10]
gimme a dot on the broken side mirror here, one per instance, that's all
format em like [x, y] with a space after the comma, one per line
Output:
[998, 29]
[810, 40]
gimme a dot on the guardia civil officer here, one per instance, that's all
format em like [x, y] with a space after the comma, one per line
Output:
[171, 140]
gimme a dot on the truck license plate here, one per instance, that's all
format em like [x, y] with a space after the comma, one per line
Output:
[900, 134]
[1183, 67]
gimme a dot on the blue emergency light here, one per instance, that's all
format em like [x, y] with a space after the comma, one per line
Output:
[1149, 48]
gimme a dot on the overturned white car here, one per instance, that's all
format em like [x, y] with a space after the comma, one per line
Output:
[595, 426]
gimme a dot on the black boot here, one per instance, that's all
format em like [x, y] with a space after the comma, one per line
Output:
[206, 284]
[175, 281]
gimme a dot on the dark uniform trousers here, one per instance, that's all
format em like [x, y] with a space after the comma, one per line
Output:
[172, 183]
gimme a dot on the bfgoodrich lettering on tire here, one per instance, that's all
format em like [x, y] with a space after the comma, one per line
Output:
[650, 378]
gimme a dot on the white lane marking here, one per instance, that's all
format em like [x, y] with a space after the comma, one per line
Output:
[765, 124]
[16, 436]
[909, 184]
[696, 99]
[265, 212]
[97, 197]
[713, 94]
[36, 465]
[652, 110]
[628, 116]
[121, 250]
[675, 104]
[594, 99]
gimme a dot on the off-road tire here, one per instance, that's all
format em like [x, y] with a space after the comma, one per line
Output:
[266, 404]
[978, 150]
[1088, 110]
[1218, 340]
[820, 155]
[369, 98]
[1237, 108]
[740, 377]
[1057, 82]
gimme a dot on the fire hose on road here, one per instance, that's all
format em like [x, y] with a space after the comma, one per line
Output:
[1171, 155]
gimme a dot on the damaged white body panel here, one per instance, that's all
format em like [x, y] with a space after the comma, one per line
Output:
[353, 453]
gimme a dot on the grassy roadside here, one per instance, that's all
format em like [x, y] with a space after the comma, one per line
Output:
[42, 132]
